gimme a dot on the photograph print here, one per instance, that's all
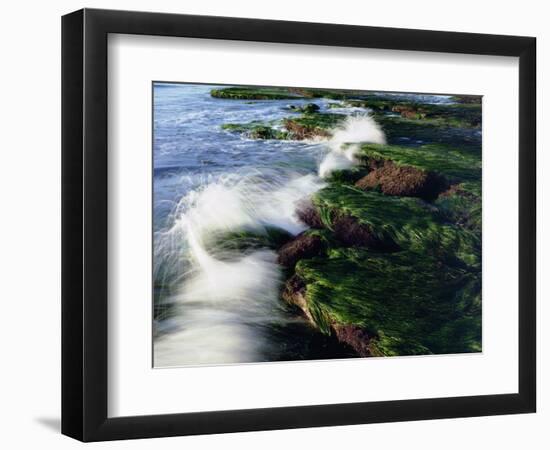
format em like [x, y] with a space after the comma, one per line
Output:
[295, 224]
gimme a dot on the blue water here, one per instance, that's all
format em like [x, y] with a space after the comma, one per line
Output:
[190, 146]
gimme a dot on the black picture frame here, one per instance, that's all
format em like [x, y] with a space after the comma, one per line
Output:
[84, 224]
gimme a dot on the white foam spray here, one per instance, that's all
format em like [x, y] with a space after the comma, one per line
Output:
[226, 301]
[343, 144]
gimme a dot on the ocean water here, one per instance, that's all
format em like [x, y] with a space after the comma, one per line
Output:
[215, 305]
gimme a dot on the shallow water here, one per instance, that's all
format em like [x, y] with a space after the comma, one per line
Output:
[213, 306]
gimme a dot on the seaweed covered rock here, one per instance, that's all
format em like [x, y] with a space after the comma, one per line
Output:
[408, 181]
[256, 130]
[349, 232]
[453, 163]
[306, 126]
[310, 126]
[305, 245]
[253, 93]
[467, 99]
[228, 244]
[389, 304]
[308, 108]
[356, 337]
[461, 204]
[281, 93]
[347, 176]
[309, 214]
[408, 222]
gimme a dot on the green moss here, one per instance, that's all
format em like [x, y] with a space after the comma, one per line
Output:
[310, 125]
[303, 127]
[373, 102]
[410, 302]
[413, 224]
[276, 93]
[334, 94]
[347, 176]
[467, 99]
[309, 108]
[318, 120]
[256, 130]
[449, 161]
[253, 93]
[462, 205]
[225, 244]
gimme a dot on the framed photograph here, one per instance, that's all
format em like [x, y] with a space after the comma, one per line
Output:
[273, 224]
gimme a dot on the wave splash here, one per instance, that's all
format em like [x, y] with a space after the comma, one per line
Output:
[343, 144]
[226, 300]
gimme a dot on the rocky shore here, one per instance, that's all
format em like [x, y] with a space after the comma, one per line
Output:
[391, 261]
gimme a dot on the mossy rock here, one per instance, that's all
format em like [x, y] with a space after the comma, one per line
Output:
[309, 108]
[467, 99]
[308, 126]
[347, 176]
[454, 163]
[333, 94]
[408, 303]
[281, 93]
[225, 245]
[253, 93]
[461, 205]
[256, 130]
[305, 126]
[409, 222]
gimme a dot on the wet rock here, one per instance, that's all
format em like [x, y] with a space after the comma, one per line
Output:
[300, 132]
[405, 181]
[302, 247]
[467, 99]
[355, 336]
[308, 214]
[351, 233]
[308, 108]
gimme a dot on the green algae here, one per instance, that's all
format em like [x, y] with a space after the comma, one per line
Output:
[462, 205]
[256, 130]
[467, 99]
[347, 176]
[411, 223]
[226, 244]
[449, 161]
[253, 93]
[280, 93]
[304, 126]
[409, 302]
[308, 108]
[311, 125]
